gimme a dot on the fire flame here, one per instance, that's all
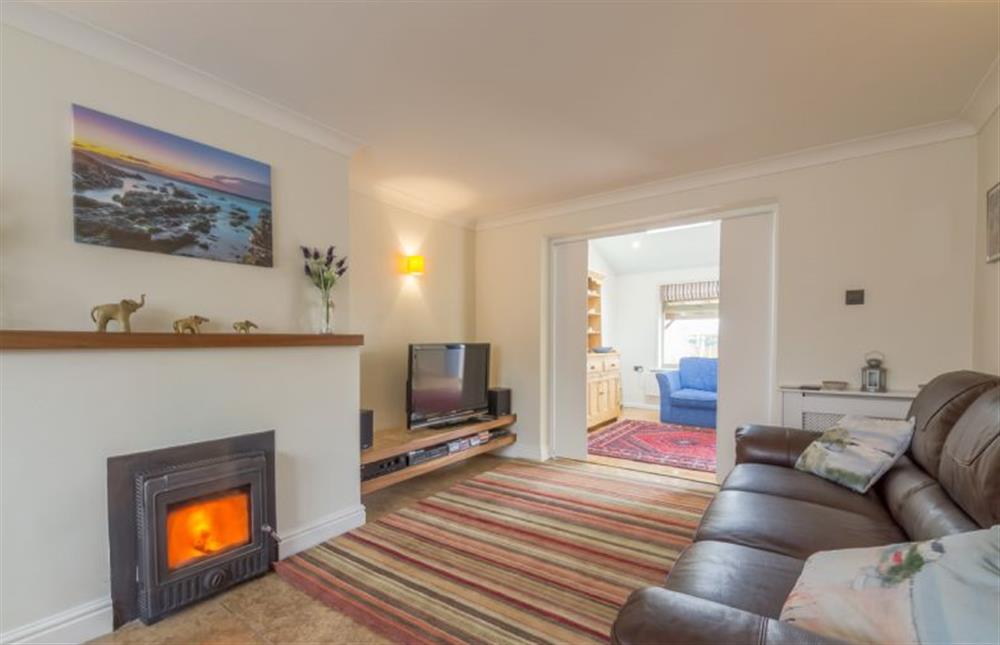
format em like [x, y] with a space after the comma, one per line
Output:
[205, 527]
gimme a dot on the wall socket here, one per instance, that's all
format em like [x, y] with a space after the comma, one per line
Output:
[854, 297]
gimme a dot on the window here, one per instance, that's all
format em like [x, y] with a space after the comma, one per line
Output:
[692, 337]
[690, 322]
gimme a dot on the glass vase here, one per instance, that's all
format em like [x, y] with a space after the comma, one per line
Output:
[325, 313]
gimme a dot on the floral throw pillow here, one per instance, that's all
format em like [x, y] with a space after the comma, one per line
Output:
[857, 451]
[940, 591]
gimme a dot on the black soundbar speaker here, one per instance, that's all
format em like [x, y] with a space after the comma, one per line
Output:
[499, 399]
[367, 429]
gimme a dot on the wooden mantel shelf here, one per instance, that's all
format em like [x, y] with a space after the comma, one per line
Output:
[11, 339]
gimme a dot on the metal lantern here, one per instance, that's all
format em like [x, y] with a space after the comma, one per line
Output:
[873, 374]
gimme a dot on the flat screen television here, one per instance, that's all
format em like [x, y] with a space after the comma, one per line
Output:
[447, 383]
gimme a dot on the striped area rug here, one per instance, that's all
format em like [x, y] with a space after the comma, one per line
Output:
[525, 553]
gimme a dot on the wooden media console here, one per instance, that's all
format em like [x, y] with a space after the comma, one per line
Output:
[400, 442]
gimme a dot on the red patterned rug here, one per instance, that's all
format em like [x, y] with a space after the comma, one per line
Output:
[656, 443]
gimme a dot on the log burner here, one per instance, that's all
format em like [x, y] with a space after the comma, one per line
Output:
[188, 522]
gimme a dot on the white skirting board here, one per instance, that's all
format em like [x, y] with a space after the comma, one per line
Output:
[640, 406]
[92, 619]
[329, 527]
[521, 450]
[75, 625]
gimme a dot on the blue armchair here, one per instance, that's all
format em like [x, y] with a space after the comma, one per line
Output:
[688, 395]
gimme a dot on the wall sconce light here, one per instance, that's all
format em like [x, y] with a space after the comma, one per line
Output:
[415, 265]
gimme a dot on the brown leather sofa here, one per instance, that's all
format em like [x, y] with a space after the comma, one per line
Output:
[730, 584]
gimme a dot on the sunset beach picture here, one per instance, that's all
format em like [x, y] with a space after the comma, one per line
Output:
[139, 188]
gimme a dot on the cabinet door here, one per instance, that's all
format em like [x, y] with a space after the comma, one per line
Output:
[615, 395]
[591, 400]
[603, 400]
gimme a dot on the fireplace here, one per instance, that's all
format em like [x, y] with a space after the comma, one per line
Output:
[188, 522]
[203, 527]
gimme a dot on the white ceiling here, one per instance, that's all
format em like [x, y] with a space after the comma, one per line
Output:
[682, 247]
[482, 109]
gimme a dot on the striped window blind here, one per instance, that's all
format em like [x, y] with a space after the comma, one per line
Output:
[690, 300]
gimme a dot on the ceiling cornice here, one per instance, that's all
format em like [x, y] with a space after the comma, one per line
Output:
[986, 99]
[821, 155]
[395, 198]
[121, 52]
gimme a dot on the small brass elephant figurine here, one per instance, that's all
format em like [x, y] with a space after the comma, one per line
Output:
[244, 326]
[189, 325]
[119, 311]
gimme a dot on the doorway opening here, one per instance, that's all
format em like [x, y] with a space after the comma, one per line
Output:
[652, 310]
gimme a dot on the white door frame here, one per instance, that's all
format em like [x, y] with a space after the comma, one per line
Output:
[664, 221]
[566, 334]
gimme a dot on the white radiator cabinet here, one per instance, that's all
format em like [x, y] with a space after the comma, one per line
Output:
[818, 410]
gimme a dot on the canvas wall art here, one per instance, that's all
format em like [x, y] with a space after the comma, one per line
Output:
[137, 187]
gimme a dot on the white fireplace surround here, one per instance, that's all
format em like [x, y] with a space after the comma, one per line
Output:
[63, 413]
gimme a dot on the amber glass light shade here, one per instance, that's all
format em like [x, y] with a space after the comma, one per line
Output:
[415, 264]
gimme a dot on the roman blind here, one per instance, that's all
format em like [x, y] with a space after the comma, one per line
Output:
[690, 300]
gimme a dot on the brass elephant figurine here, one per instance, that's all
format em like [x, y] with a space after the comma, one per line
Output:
[189, 325]
[119, 311]
[244, 326]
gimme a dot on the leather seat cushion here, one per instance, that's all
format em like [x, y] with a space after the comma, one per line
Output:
[738, 576]
[795, 484]
[789, 526]
[689, 398]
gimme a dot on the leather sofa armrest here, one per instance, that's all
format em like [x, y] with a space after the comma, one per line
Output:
[771, 444]
[658, 616]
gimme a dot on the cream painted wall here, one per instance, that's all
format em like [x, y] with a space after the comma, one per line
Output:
[72, 410]
[395, 309]
[512, 314]
[986, 351]
[894, 223]
[49, 281]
